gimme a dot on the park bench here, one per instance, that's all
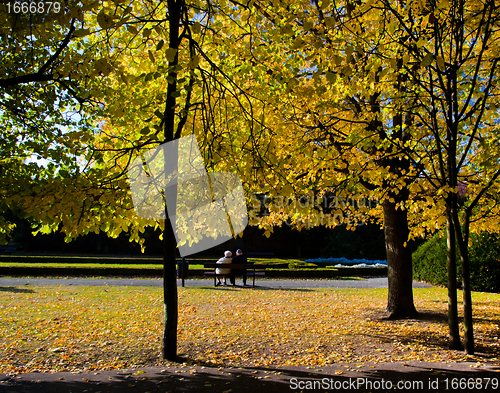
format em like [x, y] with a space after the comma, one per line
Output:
[251, 268]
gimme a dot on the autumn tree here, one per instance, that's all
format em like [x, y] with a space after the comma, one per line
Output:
[453, 65]
[55, 70]
[334, 120]
[309, 98]
[59, 73]
[162, 82]
[43, 93]
[367, 97]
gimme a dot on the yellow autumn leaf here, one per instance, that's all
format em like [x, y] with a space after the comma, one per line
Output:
[104, 20]
[170, 54]
[194, 62]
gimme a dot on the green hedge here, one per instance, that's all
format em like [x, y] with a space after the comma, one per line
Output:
[485, 263]
[429, 262]
[430, 259]
[301, 265]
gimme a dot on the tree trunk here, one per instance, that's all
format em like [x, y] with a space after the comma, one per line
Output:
[399, 264]
[169, 340]
[462, 238]
[170, 302]
[467, 298]
[452, 285]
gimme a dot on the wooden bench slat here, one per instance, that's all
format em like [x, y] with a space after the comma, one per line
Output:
[236, 265]
[250, 270]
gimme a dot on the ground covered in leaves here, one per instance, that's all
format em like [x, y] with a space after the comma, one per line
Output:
[59, 328]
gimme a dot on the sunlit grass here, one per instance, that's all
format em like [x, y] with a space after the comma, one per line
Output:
[72, 328]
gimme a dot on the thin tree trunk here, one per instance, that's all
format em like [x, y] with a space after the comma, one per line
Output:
[169, 339]
[467, 295]
[399, 264]
[452, 285]
[170, 302]
[467, 298]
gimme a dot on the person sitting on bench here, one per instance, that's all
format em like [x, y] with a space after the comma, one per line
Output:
[224, 260]
[239, 259]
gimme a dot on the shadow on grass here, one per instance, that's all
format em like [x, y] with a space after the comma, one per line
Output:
[16, 290]
[409, 338]
[187, 378]
[256, 288]
[426, 317]
[285, 289]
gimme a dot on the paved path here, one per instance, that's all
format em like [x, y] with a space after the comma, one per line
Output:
[416, 377]
[377, 282]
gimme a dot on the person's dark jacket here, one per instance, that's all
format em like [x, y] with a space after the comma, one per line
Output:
[239, 259]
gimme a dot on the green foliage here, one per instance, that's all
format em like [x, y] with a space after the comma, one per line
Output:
[484, 262]
[6, 228]
[430, 259]
[429, 262]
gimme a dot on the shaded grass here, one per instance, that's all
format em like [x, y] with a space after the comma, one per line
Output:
[90, 328]
[81, 265]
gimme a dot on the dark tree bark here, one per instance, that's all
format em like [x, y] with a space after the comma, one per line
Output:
[44, 73]
[170, 302]
[467, 295]
[169, 341]
[399, 263]
[452, 286]
[400, 271]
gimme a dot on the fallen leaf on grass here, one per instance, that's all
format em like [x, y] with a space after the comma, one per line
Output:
[87, 332]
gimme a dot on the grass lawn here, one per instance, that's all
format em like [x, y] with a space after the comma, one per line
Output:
[56, 328]
[77, 265]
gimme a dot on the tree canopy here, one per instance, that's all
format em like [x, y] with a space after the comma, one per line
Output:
[391, 102]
